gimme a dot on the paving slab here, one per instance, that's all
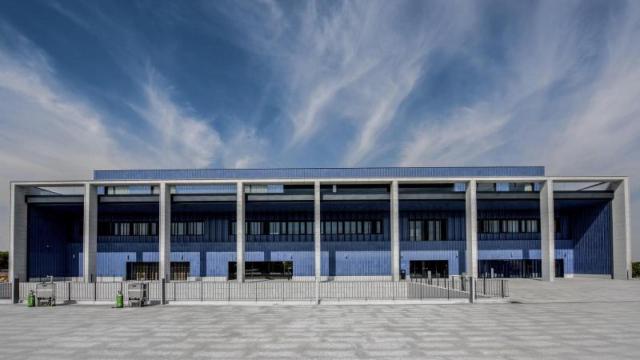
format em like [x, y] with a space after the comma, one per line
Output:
[605, 325]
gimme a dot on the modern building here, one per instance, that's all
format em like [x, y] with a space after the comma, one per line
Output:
[320, 223]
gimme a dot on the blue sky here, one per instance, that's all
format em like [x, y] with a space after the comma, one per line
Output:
[121, 84]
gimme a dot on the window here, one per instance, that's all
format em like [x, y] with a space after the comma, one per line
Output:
[255, 228]
[127, 229]
[490, 226]
[274, 228]
[427, 230]
[288, 228]
[509, 226]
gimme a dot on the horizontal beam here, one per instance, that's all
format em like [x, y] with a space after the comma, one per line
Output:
[129, 198]
[55, 199]
[329, 181]
[204, 198]
[560, 195]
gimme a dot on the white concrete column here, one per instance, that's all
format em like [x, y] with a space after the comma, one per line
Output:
[90, 233]
[240, 207]
[471, 220]
[547, 231]
[395, 232]
[621, 239]
[316, 230]
[164, 227]
[18, 229]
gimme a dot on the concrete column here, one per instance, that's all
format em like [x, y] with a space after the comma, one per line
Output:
[18, 229]
[240, 207]
[621, 239]
[316, 230]
[547, 231]
[471, 219]
[164, 227]
[90, 233]
[395, 232]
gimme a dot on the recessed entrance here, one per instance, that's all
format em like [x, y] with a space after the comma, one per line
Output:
[263, 270]
[522, 268]
[141, 270]
[421, 268]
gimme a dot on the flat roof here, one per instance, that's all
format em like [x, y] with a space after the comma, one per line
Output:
[317, 173]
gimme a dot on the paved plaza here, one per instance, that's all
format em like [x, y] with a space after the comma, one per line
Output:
[570, 326]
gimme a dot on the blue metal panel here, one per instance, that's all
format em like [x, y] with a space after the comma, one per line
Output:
[452, 251]
[53, 236]
[316, 173]
[356, 258]
[592, 233]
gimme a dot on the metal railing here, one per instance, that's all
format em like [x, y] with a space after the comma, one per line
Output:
[484, 287]
[488, 287]
[5, 290]
[276, 291]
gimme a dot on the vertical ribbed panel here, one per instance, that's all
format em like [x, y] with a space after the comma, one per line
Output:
[591, 229]
[316, 173]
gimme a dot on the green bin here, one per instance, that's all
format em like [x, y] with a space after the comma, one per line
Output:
[31, 299]
[119, 300]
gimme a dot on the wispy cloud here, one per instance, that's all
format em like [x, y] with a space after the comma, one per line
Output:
[48, 131]
[351, 64]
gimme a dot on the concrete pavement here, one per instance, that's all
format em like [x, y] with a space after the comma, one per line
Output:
[607, 328]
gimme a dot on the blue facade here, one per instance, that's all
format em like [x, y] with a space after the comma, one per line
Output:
[583, 237]
[55, 242]
[316, 173]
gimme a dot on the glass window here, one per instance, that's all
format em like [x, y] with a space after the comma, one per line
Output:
[274, 228]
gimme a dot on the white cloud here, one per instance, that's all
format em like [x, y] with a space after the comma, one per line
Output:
[567, 99]
[48, 132]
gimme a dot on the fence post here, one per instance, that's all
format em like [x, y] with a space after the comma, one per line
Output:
[256, 291]
[228, 291]
[471, 290]
[502, 288]
[163, 291]
[95, 290]
[16, 291]
[69, 291]
[201, 291]
[448, 298]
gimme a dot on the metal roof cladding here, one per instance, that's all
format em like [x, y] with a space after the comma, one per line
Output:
[316, 173]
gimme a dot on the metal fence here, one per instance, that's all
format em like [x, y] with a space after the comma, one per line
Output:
[275, 291]
[5, 290]
[484, 287]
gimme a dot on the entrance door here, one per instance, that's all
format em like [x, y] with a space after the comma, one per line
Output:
[421, 268]
[521, 268]
[141, 270]
[263, 270]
